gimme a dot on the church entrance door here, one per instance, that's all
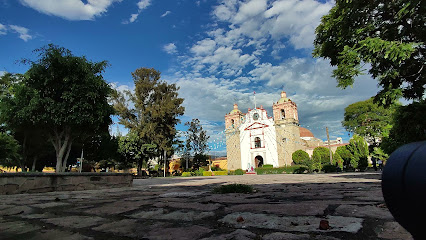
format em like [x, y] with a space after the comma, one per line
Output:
[258, 161]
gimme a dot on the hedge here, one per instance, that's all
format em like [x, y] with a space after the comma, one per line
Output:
[207, 173]
[186, 174]
[218, 173]
[287, 169]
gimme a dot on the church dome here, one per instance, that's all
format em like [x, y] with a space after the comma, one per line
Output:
[305, 132]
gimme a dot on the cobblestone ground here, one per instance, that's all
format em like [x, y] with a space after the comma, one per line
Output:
[286, 206]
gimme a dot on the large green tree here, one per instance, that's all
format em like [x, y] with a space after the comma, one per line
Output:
[152, 111]
[409, 125]
[134, 151]
[196, 142]
[9, 151]
[389, 36]
[68, 98]
[300, 157]
[359, 152]
[368, 120]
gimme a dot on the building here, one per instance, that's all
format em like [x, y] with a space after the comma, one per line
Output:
[254, 139]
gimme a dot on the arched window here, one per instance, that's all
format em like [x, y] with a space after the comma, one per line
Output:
[232, 122]
[257, 142]
[282, 113]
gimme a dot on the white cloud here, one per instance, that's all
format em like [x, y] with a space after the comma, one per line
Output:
[142, 4]
[2, 73]
[23, 32]
[166, 13]
[3, 29]
[71, 9]
[170, 48]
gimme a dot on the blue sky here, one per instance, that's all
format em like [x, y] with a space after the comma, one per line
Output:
[217, 51]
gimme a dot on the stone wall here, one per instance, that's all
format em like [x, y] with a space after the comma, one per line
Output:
[288, 135]
[14, 183]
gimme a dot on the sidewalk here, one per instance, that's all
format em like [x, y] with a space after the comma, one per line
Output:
[285, 206]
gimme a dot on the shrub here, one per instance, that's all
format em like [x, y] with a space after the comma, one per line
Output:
[186, 174]
[337, 159]
[207, 173]
[219, 173]
[286, 169]
[300, 170]
[239, 172]
[316, 161]
[300, 157]
[268, 166]
[233, 188]
[199, 172]
[328, 168]
[324, 154]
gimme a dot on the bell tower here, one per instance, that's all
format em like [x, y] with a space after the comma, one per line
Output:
[232, 132]
[287, 130]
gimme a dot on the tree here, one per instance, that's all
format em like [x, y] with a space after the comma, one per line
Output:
[337, 159]
[345, 154]
[324, 154]
[9, 151]
[359, 150]
[389, 36]
[300, 157]
[316, 161]
[155, 112]
[369, 120]
[68, 98]
[134, 151]
[196, 142]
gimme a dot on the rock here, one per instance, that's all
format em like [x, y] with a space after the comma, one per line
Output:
[324, 225]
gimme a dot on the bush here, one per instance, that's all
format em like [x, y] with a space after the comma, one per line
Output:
[186, 174]
[287, 169]
[268, 166]
[300, 170]
[207, 173]
[328, 168]
[300, 157]
[199, 172]
[324, 154]
[233, 188]
[239, 172]
[219, 173]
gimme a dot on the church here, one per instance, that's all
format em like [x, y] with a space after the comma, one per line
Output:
[254, 139]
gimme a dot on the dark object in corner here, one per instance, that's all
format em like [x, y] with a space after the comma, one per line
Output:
[404, 187]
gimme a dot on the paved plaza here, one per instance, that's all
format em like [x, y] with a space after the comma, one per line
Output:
[285, 206]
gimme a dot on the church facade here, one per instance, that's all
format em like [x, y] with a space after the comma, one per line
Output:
[254, 139]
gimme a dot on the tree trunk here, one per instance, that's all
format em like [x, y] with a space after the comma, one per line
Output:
[61, 146]
[165, 159]
[64, 163]
[140, 167]
[34, 164]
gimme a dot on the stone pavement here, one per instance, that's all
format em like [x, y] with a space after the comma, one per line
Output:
[285, 206]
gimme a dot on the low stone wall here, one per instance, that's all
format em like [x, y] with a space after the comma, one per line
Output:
[14, 183]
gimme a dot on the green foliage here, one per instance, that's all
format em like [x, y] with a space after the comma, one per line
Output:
[239, 172]
[199, 172]
[301, 170]
[300, 157]
[328, 168]
[233, 188]
[134, 151]
[220, 173]
[359, 150]
[186, 174]
[268, 166]
[316, 161]
[338, 160]
[196, 144]
[388, 36]
[279, 170]
[345, 154]
[368, 119]
[409, 125]
[379, 154]
[63, 94]
[207, 173]
[9, 151]
[155, 112]
[324, 154]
